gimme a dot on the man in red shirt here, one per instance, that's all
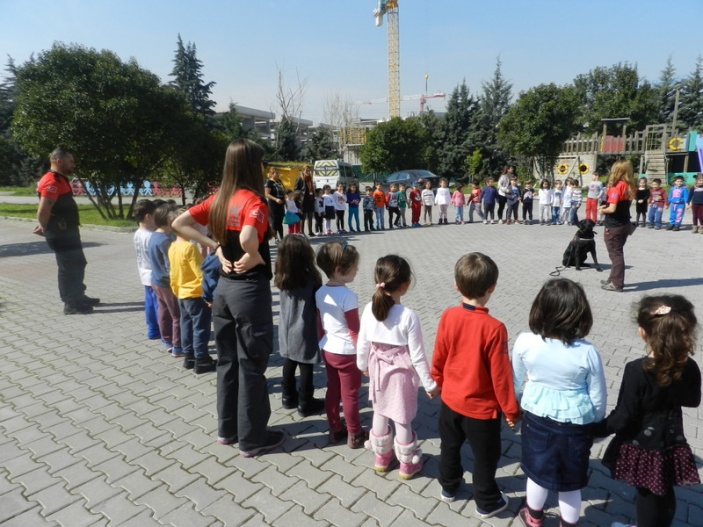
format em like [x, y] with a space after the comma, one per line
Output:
[59, 222]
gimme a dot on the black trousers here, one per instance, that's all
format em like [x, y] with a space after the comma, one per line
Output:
[288, 379]
[244, 337]
[502, 200]
[527, 210]
[368, 220]
[653, 510]
[71, 263]
[483, 436]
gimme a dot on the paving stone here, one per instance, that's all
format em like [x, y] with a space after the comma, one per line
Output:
[13, 503]
[239, 487]
[30, 518]
[200, 493]
[76, 515]
[136, 484]
[296, 516]
[53, 499]
[161, 501]
[346, 493]
[267, 504]
[229, 512]
[336, 514]
[370, 505]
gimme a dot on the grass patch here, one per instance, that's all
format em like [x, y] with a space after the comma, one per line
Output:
[31, 190]
[89, 215]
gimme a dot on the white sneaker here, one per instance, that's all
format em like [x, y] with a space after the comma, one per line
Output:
[485, 222]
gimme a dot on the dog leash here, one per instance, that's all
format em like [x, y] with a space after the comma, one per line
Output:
[557, 271]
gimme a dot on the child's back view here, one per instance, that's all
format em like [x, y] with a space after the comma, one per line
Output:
[471, 365]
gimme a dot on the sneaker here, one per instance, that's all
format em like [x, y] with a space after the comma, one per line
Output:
[205, 365]
[604, 282]
[80, 309]
[90, 301]
[485, 222]
[275, 438]
[497, 508]
[670, 227]
[177, 352]
[677, 228]
[611, 287]
[493, 222]
[189, 361]
[527, 519]
[447, 495]
[227, 440]
[358, 440]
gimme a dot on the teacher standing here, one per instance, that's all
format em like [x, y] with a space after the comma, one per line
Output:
[621, 189]
[238, 219]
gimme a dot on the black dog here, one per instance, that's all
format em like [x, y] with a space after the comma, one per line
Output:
[582, 243]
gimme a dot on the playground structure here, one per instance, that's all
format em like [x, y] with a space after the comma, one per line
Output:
[663, 151]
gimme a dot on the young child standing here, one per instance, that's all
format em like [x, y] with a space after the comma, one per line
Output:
[641, 201]
[528, 196]
[546, 197]
[565, 393]
[402, 205]
[427, 202]
[379, 201]
[470, 364]
[340, 206]
[415, 205]
[458, 201]
[489, 196]
[595, 193]
[185, 259]
[556, 202]
[157, 251]
[392, 354]
[367, 205]
[512, 202]
[291, 217]
[329, 203]
[392, 206]
[657, 202]
[695, 201]
[475, 202]
[565, 218]
[442, 199]
[678, 196]
[297, 279]
[319, 212]
[144, 214]
[649, 450]
[353, 200]
[576, 200]
[338, 312]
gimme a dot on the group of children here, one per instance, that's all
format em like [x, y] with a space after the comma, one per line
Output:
[554, 381]
[677, 201]
[177, 292]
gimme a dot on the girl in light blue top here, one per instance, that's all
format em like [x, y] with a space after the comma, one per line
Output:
[560, 384]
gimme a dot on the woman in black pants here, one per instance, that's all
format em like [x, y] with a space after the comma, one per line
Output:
[276, 195]
[238, 219]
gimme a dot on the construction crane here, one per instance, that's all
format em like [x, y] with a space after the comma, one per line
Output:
[389, 8]
[422, 97]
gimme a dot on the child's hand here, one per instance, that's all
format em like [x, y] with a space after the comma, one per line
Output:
[511, 423]
[432, 393]
[365, 373]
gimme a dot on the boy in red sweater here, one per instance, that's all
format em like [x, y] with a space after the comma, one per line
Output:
[471, 365]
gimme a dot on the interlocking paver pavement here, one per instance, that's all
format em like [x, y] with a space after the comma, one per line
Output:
[99, 426]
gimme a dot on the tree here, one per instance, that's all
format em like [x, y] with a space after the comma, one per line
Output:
[494, 102]
[614, 92]
[539, 122]
[114, 116]
[433, 141]
[320, 146]
[666, 92]
[457, 126]
[290, 105]
[393, 145]
[691, 108]
[343, 115]
[287, 145]
[187, 70]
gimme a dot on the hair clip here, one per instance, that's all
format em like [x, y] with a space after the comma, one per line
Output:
[344, 245]
[381, 285]
[662, 310]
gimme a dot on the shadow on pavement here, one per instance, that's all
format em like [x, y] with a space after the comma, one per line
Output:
[663, 284]
[36, 247]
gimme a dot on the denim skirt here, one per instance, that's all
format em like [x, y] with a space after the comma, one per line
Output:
[555, 455]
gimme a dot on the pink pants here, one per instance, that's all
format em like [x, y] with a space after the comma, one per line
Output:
[169, 315]
[343, 383]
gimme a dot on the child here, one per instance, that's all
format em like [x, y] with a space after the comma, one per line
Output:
[649, 450]
[641, 202]
[471, 366]
[595, 192]
[319, 212]
[695, 200]
[556, 202]
[157, 252]
[144, 214]
[185, 260]
[546, 197]
[367, 205]
[475, 202]
[392, 205]
[576, 200]
[527, 201]
[291, 217]
[297, 279]
[340, 205]
[402, 206]
[329, 203]
[415, 205]
[427, 202]
[489, 195]
[338, 312]
[353, 200]
[379, 200]
[564, 394]
[678, 196]
[458, 201]
[566, 208]
[512, 202]
[443, 198]
[657, 202]
[392, 354]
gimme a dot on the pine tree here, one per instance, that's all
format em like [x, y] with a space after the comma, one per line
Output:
[494, 103]
[666, 89]
[457, 127]
[691, 106]
[287, 147]
[319, 146]
[188, 79]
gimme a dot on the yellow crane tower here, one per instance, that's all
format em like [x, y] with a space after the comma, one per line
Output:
[389, 8]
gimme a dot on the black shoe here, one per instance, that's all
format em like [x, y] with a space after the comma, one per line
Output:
[205, 365]
[274, 439]
[189, 361]
[311, 407]
[677, 228]
[290, 402]
[86, 300]
[670, 227]
[80, 309]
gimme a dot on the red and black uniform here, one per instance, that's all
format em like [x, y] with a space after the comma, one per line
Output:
[617, 229]
[63, 237]
[243, 319]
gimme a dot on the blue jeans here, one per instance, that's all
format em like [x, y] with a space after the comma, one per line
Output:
[195, 326]
[151, 313]
[574, 215]
[555, 214]
[379, 218]
[458, 214]
[655, 215]
[353, 213]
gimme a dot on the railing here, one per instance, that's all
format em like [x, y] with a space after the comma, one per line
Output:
[148, 189]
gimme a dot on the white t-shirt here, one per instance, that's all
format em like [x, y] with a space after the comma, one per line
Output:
[340, 201]
[328, 200]
[443, 196]
[141, 241]
[332, 303]
[427, 197]
[401, 328]
[546, 196]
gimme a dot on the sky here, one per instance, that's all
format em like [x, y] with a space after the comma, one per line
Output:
[334, 49]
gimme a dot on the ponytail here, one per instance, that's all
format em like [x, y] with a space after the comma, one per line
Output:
[391, 273]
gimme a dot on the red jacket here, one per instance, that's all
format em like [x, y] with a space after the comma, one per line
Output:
[471, 364]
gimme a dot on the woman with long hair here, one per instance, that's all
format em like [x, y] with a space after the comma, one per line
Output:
[305, 186]
[503, 189]
[238, 219]
[275, 193]
[621, 190]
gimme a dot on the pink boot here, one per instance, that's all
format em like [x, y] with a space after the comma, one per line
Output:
[410, 457]
[381, 447]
